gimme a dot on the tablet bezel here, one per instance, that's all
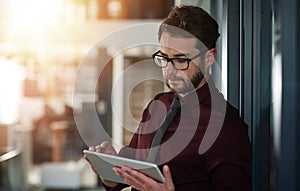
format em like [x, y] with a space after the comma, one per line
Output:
[104, 163]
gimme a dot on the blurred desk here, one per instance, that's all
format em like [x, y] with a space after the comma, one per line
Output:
[58, 129]
[7, 154]
[10, 174]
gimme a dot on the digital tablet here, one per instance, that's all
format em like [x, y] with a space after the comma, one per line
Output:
[104, 163]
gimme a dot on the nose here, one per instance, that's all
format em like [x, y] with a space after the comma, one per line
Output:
[170, 69]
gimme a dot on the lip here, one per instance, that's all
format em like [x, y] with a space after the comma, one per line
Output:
[174, 81]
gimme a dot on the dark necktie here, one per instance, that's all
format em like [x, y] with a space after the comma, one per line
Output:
[162, 129]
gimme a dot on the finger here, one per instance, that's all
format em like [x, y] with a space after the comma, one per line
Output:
[92, 149]
[105, 144]
[168, 177]
[86, 158]
[131, 177]
[105, 147]
[139, 180]
[138, 176]
[99, 148]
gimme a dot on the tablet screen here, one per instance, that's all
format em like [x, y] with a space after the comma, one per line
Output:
[104, 163]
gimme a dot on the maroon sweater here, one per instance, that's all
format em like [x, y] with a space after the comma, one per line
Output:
[206, 146]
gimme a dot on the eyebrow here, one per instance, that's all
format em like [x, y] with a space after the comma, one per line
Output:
[175, 55]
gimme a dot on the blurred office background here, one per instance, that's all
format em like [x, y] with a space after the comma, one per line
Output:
[43, 43]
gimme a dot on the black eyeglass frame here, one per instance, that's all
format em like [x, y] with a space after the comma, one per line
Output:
[188, 60]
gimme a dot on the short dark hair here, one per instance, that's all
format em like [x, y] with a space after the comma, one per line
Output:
[195, 21]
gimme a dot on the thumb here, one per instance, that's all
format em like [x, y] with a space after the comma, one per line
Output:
[168, 177]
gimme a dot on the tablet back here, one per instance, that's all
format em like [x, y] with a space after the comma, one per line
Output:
[104, 164]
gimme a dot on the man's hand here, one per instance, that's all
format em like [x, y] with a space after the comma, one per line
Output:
[106, 148]
[142, 182]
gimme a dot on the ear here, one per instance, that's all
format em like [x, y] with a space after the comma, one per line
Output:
[210, 57]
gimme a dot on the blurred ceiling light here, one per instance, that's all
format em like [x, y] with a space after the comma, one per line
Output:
[31, 20]
[34, 12]
[10, 91]
[114, 8]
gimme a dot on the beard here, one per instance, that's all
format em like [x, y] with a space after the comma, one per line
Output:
[189, 84]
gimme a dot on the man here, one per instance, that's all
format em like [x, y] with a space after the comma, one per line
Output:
[206, 146]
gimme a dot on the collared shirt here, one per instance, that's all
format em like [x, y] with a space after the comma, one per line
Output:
[206, 145]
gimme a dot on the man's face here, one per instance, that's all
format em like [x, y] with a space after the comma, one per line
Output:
[181, 81]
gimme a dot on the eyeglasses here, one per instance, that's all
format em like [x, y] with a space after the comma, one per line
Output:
[178, 63]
